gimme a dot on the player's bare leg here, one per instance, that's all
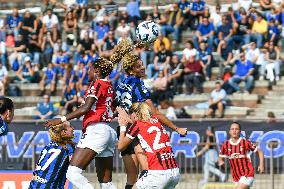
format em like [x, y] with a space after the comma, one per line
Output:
[242, 186]
[131, 168]
[104, 166]
[79, 161]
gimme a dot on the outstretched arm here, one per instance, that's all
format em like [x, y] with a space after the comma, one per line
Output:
[82, 110]
[261, 161]
[123, 141]
[165, 121]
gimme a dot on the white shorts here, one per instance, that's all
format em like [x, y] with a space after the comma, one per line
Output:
[159, 179]
[100, 138]
[246, 180]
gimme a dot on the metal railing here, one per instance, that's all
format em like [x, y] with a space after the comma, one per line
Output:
[191, 170]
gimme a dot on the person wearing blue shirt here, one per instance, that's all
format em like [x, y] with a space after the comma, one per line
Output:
[225, 31]
[45, 109]
[205, 32]
[84, 58]
[69, 101]
[51, 168]
[205, 55]
[185, 6]
[133, 11]
[101, 30]
[273, 32]
[244, 72]
[14, 22]
[197, 10]
[82, 7]
[49, 77]
[6, 114]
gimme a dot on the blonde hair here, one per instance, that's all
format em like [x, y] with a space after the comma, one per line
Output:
[55, 135]
[124, 53]
[142, 110]
[104, 65]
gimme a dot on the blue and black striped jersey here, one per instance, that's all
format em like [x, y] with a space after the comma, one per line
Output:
[52, 166]
[131, 90]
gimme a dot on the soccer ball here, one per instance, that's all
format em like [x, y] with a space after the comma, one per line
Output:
[147, 31]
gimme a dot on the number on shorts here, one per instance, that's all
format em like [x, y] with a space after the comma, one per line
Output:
[55, 153]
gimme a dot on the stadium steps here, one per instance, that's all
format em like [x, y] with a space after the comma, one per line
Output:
[272, 102]
[241, 100]
[30, 101]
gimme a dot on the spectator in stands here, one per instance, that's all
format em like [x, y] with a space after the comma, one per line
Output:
[161, 39]
[260, 65]
[98, 13]
[111, 11]
[133, 11]
[225, 55]
[14, 22]
[26, 72]
[30, 25]
[81, 7]
[156, 15]
[205, 32]
[122, 29]
[217, 101]
[160, 92]
[70, 26]
[273, 62]
[273, 32]
[216, 17]
[266, 5]
[49, 78]
[45, 109]
[34, 48]
[244, 72]
[185, 7]
[251, 52]
[281, 18]
[100, 30]
[86, 43]
[109, 42]
[174, 75]
[225, 31]
[193, 75]
[205, 55]
[161, 60]
[188, 51]
[175, 22]
[50, 24]
[3, 44]
[246, 4]
[242, 30]
[47, 5]
[3, 78]
[259, 30]
[47, 48]
[19, 52]
[197, 10]
[69, 101]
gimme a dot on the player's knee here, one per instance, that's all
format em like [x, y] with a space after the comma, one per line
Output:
[73, 172]
[107, 185]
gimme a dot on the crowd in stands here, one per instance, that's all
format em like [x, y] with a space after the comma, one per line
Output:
[54, 50]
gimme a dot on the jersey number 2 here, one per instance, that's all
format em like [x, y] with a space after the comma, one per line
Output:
[54, 153]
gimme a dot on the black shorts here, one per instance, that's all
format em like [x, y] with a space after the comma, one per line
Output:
[215, 107]
[130, 149]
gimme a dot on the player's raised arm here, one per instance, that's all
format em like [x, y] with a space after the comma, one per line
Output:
[261, 161]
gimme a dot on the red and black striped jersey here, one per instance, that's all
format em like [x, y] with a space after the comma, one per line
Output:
[156, 143]
[102, 109]
[239, 157]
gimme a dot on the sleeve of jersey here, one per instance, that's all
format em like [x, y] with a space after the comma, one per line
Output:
[95, 90]
[251, 146]
[223, 151]
[132, 131]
